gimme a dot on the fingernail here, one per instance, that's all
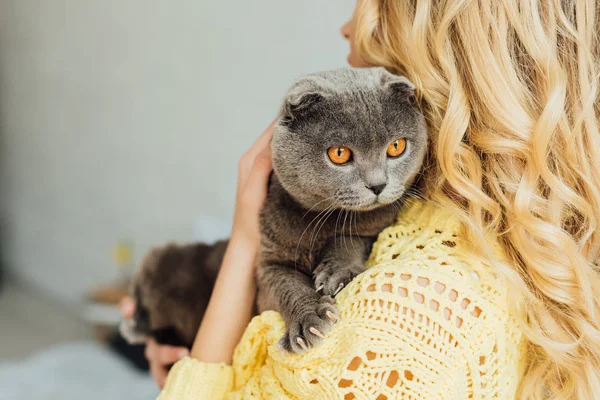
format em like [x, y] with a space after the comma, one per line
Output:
[127, 306]
[183, 354]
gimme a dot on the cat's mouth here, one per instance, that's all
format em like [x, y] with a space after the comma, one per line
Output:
[365, 205]
[369, 207]
[353, 202]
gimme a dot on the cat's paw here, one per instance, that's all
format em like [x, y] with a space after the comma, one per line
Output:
[331, 276]
[310, 327]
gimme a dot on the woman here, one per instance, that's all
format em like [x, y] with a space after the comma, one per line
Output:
[489, 288]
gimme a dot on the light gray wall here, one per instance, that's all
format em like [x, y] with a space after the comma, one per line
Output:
[125, 119]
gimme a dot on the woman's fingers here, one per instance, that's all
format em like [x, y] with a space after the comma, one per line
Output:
[263, 140]
[163, 354]
[168, 355]
[160, 357]
[159, 374]
[247, 160]
[251, 192]
[150, 350]
[127, 307]
[255, 188]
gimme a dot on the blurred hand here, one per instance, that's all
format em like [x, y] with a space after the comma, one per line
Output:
[254, 169]
[160, 357]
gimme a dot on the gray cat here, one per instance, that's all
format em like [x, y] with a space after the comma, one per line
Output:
[347, 147]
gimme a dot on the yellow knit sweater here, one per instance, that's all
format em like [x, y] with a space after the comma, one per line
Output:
[426, 321]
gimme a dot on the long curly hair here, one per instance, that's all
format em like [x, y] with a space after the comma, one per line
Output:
[510, 91]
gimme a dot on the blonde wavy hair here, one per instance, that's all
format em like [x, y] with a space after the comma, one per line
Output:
[510, 91]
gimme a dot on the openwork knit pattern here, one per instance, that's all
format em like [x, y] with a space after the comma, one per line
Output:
[426, 321]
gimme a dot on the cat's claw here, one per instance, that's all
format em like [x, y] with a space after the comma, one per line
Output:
[301, 343]
[332, 276]
[309, 326]
[316, 332]
[331, 316]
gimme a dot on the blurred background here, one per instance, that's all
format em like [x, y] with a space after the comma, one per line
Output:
[121, 122]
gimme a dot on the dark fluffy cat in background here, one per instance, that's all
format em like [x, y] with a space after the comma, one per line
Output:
[347, 147]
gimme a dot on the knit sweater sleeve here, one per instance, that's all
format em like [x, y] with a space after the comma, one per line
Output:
[425, 321]
[192, 379]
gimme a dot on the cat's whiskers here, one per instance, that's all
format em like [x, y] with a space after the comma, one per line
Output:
[324, 219]
[310, 209]
[356, 216]
[397, 205]
[343, 229]
[412, 192]
[350, 228]
[306, 229]
[335, 229]
[355, 219]
[316, 226]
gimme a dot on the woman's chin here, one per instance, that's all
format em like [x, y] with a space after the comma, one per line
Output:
[353, 61]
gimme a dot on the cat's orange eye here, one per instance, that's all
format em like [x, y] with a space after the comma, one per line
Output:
[396, 148]
[339, 154]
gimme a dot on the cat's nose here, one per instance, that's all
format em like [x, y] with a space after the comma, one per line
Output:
[377, 189]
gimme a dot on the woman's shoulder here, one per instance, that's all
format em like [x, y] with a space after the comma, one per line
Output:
[426, 320]
[423, 257]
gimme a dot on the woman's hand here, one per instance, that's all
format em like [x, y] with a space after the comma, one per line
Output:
[254, 168]
[160, 357]
[232, 301]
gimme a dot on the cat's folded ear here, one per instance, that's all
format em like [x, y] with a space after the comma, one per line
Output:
[399, 86]
[302, 98]
[296, 106]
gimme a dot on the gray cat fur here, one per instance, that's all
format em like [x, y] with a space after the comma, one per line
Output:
[320, 219]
